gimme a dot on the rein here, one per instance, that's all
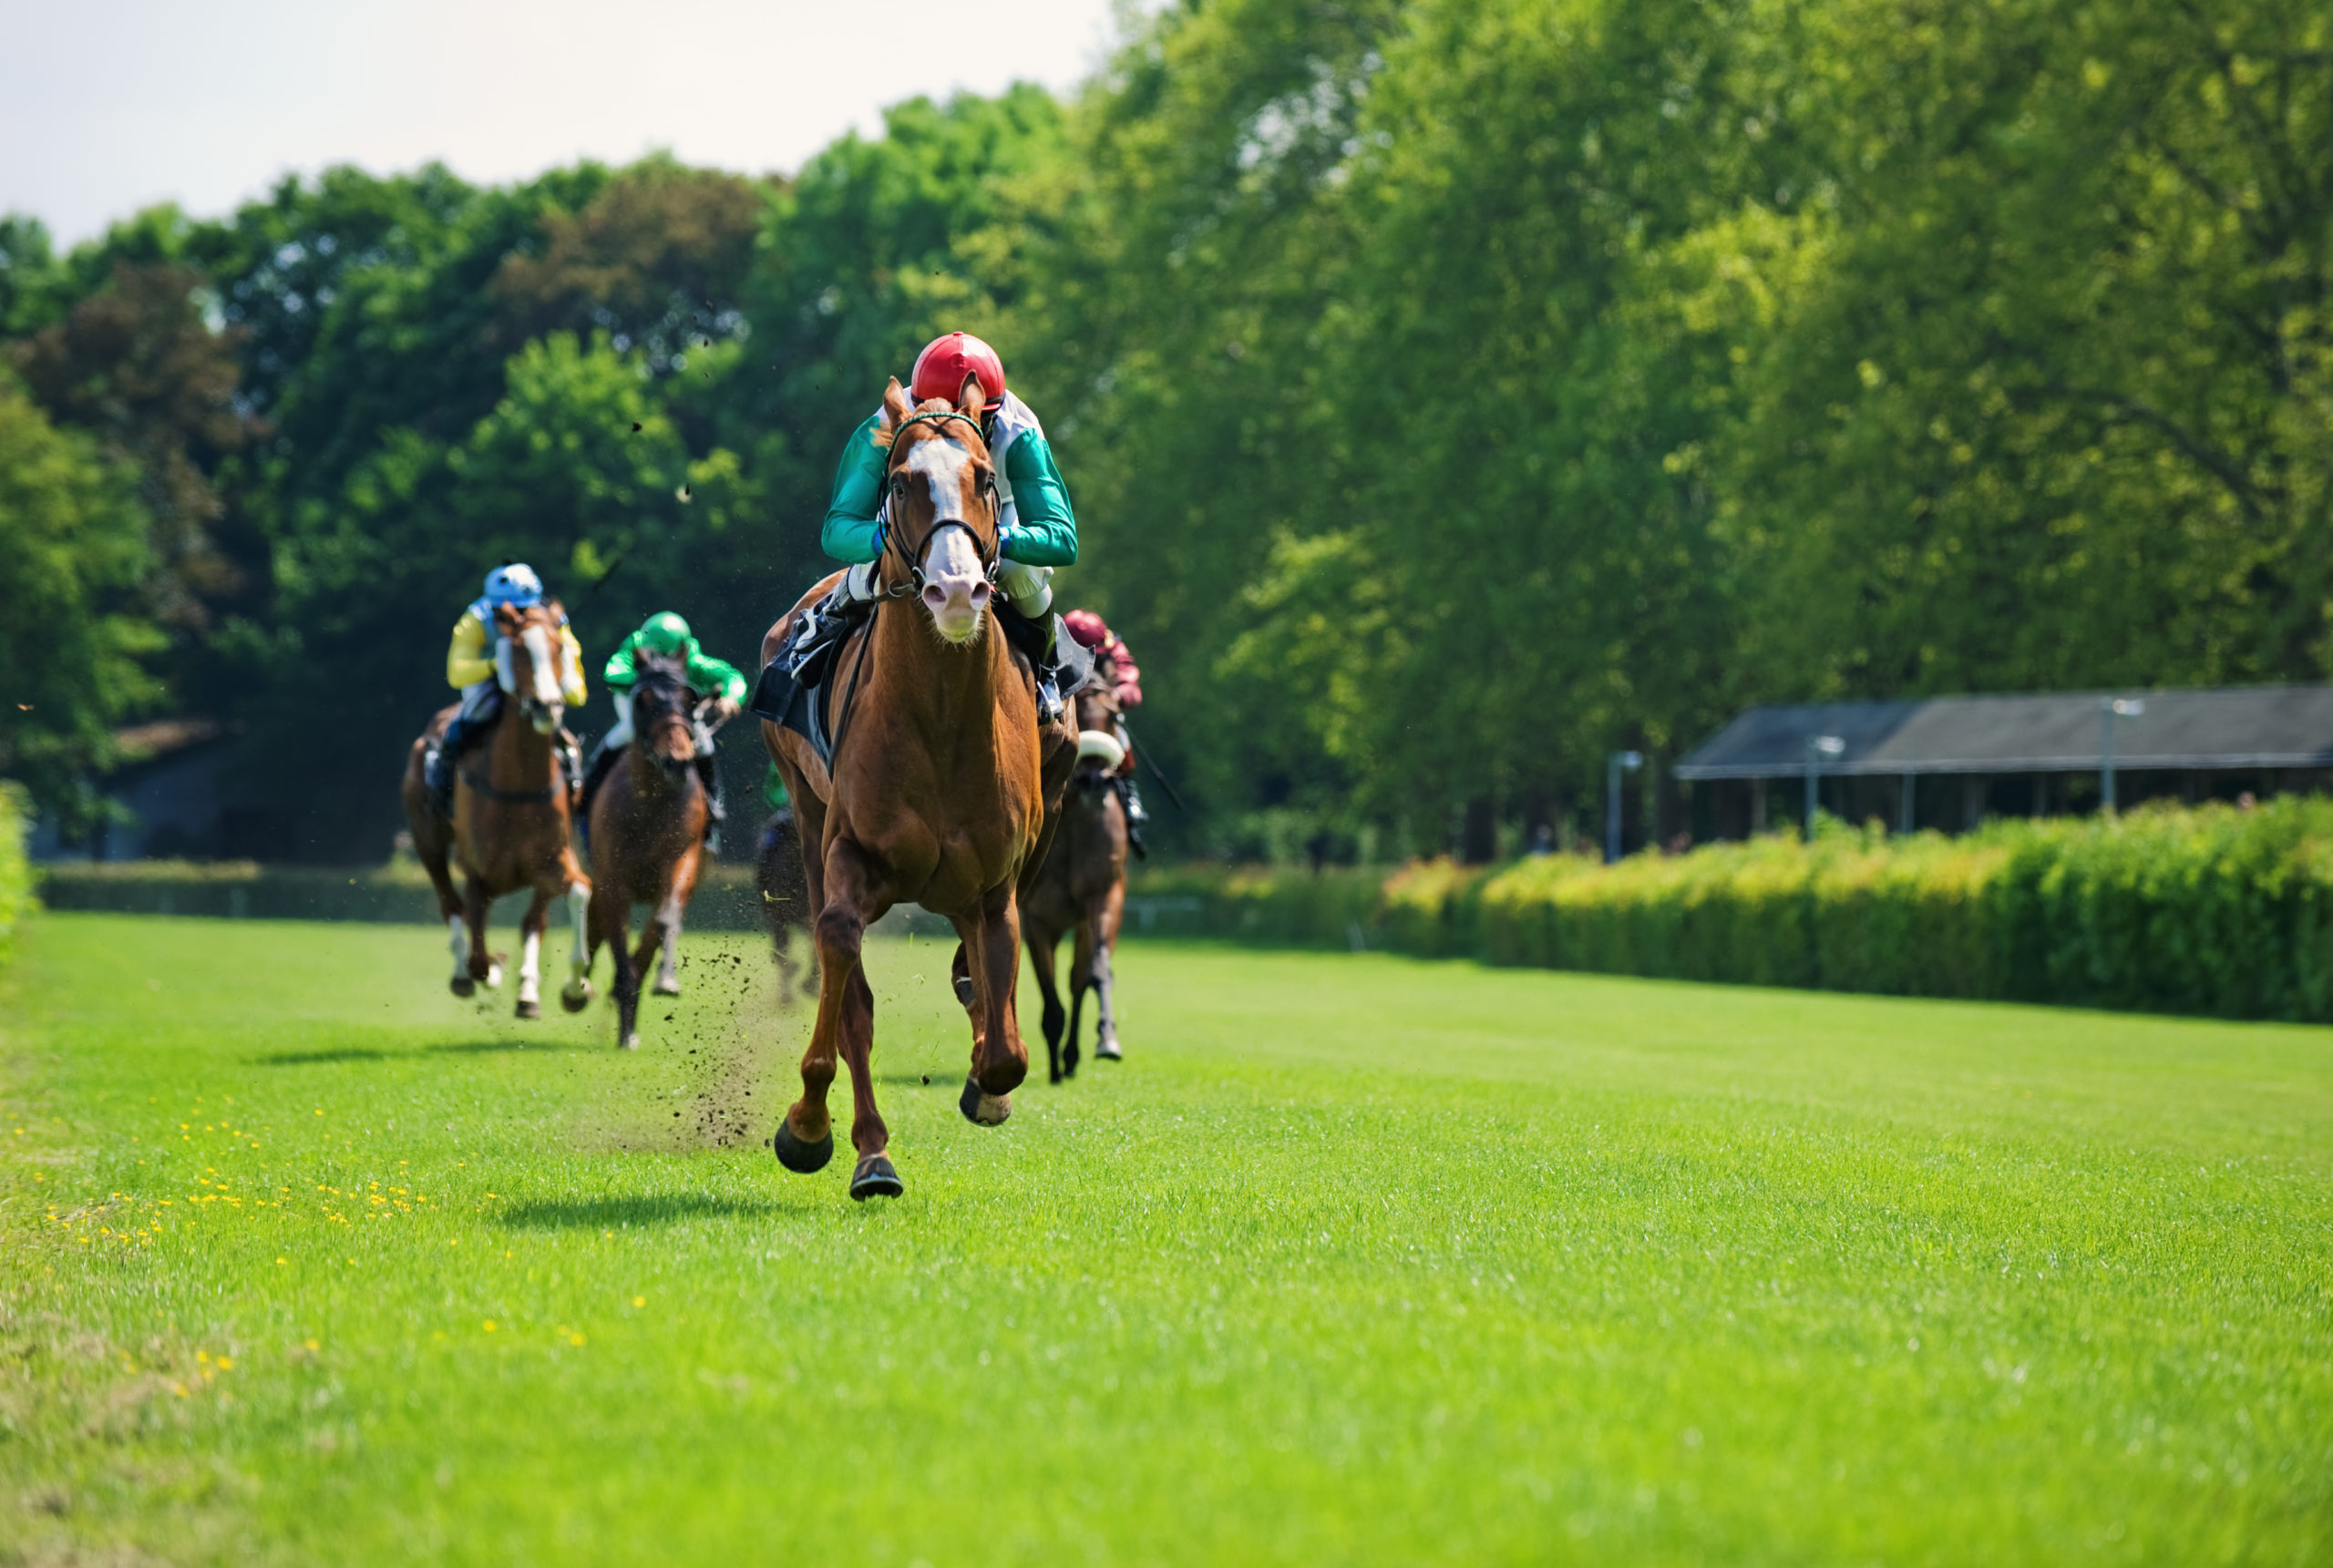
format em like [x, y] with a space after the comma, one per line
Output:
[508, 796]
[990, 559]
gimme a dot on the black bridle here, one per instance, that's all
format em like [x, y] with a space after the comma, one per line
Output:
[991, 558]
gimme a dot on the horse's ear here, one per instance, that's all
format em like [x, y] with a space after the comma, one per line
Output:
[971, 397]
[506, 620]
[895, 405]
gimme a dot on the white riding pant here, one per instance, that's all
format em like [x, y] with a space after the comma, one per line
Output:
[1028, 589]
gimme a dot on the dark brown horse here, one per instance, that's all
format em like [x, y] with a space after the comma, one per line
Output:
[1082, 888]
[648, 822]
[509, 828]
[936, 795]
[785, 896]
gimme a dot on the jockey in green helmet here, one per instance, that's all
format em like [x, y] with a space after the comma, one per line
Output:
[713, 679]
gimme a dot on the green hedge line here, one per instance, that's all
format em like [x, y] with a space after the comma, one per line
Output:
[2203, 910]
[725, 898]
[17, 898]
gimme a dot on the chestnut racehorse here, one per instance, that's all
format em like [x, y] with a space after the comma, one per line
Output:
[936, 795]
[511, 820]
[648, 822]
[1082, 888]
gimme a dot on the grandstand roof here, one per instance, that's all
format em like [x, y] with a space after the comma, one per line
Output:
[2230, 727]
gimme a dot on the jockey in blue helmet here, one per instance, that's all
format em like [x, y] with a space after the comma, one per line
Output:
[471, 668]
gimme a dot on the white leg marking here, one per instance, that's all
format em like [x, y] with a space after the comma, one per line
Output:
[579, 910]
[530, 969]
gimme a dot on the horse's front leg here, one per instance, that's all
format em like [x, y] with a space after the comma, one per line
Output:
[613, 912]
[1105, 1032]
[804, 1141]
[577, 992]
[530, 955]
[1041, 941]
[1000, 1062]
[668, 928]
[1081, 980]
[477, 905]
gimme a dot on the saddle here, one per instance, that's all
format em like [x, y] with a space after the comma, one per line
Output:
[797, 690]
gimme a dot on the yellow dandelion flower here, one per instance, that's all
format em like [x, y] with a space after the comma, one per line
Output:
[488, 1326]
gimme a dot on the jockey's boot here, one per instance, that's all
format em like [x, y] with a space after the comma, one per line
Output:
[1136, 818]
[603, 757]
[843, 608]
[717, 813]
[438, 763]
[570, 769]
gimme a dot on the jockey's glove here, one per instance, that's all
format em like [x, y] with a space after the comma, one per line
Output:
[1028, 589]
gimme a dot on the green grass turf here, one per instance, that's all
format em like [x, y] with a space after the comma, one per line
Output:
[1355, 1258]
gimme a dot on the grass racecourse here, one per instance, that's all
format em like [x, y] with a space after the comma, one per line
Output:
[1356, 1259]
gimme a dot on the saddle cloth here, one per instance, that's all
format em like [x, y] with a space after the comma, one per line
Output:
[797, 689]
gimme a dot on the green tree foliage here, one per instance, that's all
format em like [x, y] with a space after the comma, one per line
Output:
[73, 550]
[1451, 391]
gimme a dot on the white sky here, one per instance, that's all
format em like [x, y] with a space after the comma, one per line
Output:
[107, 106]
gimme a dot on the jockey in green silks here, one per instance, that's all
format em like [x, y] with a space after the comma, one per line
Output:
[1037, 531]
[714, 680]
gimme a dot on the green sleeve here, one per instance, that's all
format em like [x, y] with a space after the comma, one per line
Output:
[849, 533]
[1044, 530]
[619, 674]
[714, 677]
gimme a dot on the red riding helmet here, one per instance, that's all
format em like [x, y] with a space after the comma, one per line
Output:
[940, 369]
[1088, 628]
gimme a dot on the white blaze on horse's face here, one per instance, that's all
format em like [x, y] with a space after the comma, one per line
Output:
[542, 664]
[955, 587]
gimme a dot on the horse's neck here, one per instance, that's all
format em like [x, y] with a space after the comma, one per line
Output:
[518, 753]
[940, 690]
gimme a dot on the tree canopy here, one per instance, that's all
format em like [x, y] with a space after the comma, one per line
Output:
[1451, 391]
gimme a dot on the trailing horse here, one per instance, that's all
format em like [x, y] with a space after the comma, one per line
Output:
[648, 824]
[509, 826]
[784, 893]
[1082, 888]
[936, 794]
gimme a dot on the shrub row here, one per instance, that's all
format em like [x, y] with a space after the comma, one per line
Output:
[2203, 910]
[15, 873]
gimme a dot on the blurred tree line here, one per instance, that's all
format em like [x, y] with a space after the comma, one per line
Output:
[1452, 391]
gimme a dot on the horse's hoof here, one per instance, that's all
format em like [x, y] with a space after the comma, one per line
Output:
[981, 1108]
[463, 986]
[801, 1158]
[575, 998]
[629, 1041]
[529, 1007]
[1108, 1051]
[668, 988]
[875, 1178]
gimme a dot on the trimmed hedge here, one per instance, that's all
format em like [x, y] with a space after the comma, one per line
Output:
[2209, 909]
[17, 899]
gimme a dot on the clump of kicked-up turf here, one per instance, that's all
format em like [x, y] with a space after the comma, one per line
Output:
[1355, 1258]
